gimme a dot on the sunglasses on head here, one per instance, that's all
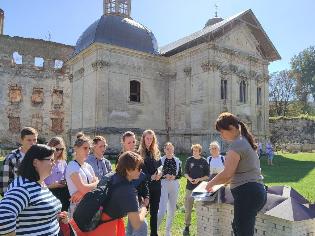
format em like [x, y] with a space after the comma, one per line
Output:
[59, 149]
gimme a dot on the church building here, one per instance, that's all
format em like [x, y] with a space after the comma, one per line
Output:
[116, 78]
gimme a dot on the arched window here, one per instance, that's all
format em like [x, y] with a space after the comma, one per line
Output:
[223, 89]
[259, 96]
[243, 91]
[135, 87]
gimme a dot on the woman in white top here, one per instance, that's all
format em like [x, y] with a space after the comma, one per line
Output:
[215, 160]
[80, 176]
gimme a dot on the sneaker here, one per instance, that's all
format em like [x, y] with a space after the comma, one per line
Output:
[186, 231]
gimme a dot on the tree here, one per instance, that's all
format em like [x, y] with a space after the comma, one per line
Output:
[281, 92]
[303, 70]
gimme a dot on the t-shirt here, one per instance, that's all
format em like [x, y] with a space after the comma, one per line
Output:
[29, 209]
[123, 199]
[196, 168]
[57, 172]
[85, 171]
[248, 169]
[100, 166]
[216, 164]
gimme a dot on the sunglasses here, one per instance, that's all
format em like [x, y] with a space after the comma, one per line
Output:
[59, 149]
[48, 159]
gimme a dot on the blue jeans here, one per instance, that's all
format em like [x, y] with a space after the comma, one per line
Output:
[249, 198]
[142, 231]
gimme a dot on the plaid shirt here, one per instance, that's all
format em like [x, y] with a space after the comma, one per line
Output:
[9, 169]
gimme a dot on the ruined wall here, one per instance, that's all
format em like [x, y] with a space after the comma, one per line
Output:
[293, 134]
[34, 88]
[195, 100]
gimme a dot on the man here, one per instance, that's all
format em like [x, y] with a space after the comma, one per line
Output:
[13, 159]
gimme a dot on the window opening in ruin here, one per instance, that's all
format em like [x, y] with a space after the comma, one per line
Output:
[39, 62]
[17, 58]
[57, 125]
[135, 91]
[14, 124]
[243, 91]
[259, 96]
[223, 89]
[58, 64]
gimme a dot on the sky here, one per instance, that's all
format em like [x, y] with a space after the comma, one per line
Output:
[288, 23]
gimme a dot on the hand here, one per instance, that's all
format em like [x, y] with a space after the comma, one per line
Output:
[209, 187]
[95, 179]
[146, 202]
[172, 177]
[63, 217]
[76, 197]
[197, 181]
[56, 185]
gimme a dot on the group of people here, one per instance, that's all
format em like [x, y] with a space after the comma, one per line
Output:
[41, 190]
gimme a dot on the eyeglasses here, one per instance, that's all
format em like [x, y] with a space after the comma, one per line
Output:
[48, 159]
[59, 149]
[86, 148]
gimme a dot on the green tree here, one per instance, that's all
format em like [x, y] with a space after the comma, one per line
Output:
[281, 92]
[303, 70]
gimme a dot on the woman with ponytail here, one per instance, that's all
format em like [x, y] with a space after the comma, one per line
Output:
[242, 170]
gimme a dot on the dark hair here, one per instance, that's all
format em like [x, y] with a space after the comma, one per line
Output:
[28, 131]
[127, 134]
[226, 119]
[81, 139]
[36, 151]
[128, 161]
[97, 139]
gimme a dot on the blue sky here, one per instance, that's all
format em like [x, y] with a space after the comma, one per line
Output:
[289, 24]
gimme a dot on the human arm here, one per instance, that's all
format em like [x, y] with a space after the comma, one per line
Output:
[137, 218]
[81, 186]
[232, 159]
[13, 203]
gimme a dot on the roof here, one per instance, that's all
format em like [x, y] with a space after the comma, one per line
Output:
[214, 31]
[119, 31]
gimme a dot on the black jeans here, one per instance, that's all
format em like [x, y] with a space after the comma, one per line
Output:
[155, 194]
[249, 198]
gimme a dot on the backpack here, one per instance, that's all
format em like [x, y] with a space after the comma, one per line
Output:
[88, 212]
[178, 162]
[210, 158]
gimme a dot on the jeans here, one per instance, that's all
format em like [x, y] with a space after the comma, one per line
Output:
[142, 231]
[249, 198]
[169, 194]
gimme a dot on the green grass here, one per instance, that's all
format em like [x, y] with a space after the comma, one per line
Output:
[295, 170]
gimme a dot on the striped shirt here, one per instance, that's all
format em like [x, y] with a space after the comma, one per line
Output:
[29, 209]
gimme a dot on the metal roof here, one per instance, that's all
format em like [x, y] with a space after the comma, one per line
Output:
[119, 31]
[212, 32]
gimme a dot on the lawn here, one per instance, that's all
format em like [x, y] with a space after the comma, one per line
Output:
[295, 170]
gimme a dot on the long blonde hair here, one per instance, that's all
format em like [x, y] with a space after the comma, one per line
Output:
[154, 148]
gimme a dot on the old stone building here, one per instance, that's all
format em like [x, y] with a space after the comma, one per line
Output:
[116, 78]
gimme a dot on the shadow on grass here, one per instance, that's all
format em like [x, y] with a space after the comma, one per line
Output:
[285, 169]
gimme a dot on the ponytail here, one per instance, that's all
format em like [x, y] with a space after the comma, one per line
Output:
[247, 135]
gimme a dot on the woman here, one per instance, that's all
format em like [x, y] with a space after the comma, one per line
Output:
[80, 176]
[170, 186]
[128, 168]
[242, 168]
[28, 207]
[149, 150]
[56, 181]
[215, 160]
[99, 163]
[128, 142]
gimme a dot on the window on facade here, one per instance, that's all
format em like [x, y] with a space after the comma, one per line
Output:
[259, 96]
[17, 58]
[243, 91]
[15, 94]
[58, 64]
[134, 91]
[223, 89]
[39, 62]
[14, 124]
[57, 125]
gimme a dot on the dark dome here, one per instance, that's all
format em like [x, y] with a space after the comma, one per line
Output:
[213, 21]
[120, 31]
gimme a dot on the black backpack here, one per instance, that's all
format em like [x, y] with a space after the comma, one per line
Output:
[88, 212]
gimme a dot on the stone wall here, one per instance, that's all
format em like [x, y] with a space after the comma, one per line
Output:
[34, 88]
[293, 134]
